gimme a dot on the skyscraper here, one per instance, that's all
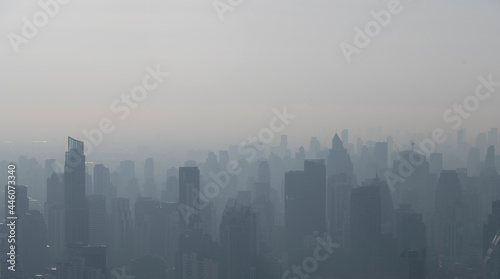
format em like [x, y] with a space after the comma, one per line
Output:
[149, 179]
[101, 180]
[365, 222]
[189, 189]
[262, 186]
[96, 220]
[339, 160]
[305, 202]
[74, 194]
[121, 232]
[493, 137]
[238, 238]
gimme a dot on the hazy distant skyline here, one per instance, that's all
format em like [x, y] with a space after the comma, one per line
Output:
[226, 77]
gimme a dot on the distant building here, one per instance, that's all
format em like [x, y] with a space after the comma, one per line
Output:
[238, 238]
[74, 194]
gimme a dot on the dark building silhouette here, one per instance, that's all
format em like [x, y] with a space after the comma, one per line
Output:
[121, 232]
[189, 189]
[365, 223]
[305, 203]
[262, 186]
[74, 194]
[238, 238]
[412, 264]
[150, 189]
[450, 217]
[338, 206]
[32, 242]
[96, 220]
[410, 230]
[339, 160]
[102, 181]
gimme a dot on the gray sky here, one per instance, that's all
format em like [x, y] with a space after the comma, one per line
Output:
[227, 76]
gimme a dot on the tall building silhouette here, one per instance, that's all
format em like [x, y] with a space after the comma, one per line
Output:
[121, 232]
[365, 223]
[305, 202]
[339, 160]
[96, 220]
[450, 217]
[262, 185]
[150, 189]
[189, 189]
[238, 238]
[102, 180]
[74, 194]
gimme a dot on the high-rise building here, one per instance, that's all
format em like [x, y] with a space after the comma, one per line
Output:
[238, 238]
[195, 268]
[262, 185]
[473, 160]
[410, 230]
[381, 157]
[127, 173]
[489, 161]
[493, 137]
[189, 189]
[121, 232]
[144, 212]
[305, 202]
[412, 264]
[74, 194]
[365, 222]
[345, 137]
[481, 142]
[96, 220]
[339, 160]
[338, 193]
[32, 242]
[150, 189]
[450, 228]
[102, 180]
[51, 167]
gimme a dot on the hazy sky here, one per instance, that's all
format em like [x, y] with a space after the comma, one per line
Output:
[227, 76]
